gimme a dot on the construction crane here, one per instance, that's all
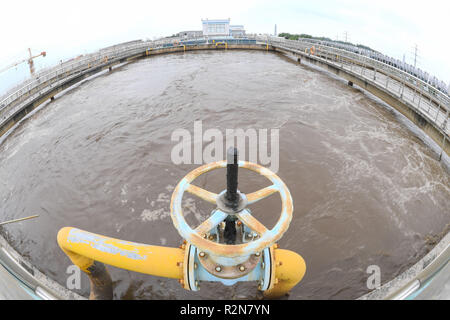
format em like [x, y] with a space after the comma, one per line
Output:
[29, 60]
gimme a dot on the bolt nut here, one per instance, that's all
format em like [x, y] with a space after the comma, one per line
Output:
[196, 283]
[195, 265]
[202, 254]
[257, 254]
[263, 265]
[218, 268]
[242, 268]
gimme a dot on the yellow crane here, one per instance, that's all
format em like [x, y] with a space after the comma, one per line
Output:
[28, 60]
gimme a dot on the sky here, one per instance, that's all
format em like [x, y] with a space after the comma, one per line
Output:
[66, 29]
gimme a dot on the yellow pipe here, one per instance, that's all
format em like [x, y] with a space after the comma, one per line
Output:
[289, 270]
[83, 248]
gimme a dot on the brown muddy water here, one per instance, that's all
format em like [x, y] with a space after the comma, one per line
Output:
[366, 190]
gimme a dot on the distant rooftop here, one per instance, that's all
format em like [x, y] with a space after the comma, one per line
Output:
[207, 21]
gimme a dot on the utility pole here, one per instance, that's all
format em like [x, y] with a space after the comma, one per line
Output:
[346, 36]
[276, 34]
[415, 55]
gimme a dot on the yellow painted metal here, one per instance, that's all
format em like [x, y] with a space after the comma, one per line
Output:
[289, 270]
[83, 248]
[222, 43]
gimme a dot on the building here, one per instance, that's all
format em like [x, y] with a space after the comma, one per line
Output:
[237, 31]
[216, 28]
[190, 34]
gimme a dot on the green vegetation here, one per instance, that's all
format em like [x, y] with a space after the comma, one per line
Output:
[295, 36]
[307, 36]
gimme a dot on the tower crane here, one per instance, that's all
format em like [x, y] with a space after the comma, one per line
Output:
[28, 60]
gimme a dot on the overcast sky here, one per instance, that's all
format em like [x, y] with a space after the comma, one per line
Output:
[65, 29]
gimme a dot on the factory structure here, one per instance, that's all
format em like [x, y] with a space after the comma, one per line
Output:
[215, 28]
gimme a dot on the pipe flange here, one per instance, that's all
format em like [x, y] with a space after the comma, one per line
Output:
[228, 272]
[268, 273]
[190, 269]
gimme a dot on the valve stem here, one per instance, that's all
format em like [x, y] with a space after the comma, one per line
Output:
[232, 176]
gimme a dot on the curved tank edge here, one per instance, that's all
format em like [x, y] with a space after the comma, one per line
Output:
[25, 281]
[407, 285]
[403, 286]
[412, 283]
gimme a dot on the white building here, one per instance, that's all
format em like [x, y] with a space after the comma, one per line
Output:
[237, 31]
[216, 28]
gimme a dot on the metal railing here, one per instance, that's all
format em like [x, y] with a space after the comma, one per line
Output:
[427, 100]
[46, 80]
[401, 65]
[423, 97]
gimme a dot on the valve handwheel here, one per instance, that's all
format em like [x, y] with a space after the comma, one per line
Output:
[267, 237]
